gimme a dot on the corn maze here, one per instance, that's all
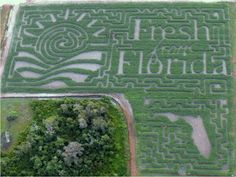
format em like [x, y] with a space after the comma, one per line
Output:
[171, 61]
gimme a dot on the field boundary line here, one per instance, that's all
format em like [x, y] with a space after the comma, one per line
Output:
[8, 37]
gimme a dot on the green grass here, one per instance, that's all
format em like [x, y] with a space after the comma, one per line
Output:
[233, 34]
[19, 107]
[120, 161]
[194, 94]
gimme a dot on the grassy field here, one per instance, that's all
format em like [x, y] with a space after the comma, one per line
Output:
[167, 59]
[20, 108]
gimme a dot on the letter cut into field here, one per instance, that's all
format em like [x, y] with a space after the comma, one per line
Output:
[171, 61]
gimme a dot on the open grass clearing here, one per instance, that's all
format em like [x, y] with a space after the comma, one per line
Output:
[15, 107]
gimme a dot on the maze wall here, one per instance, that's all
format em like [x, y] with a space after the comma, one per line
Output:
[167, 146]
[172, 61]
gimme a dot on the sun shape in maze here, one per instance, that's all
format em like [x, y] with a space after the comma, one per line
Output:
[172, 63]
[61, 41]
[56, 53]
[140, 48]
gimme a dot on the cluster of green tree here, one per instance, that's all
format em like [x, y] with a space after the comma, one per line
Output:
[71, 137]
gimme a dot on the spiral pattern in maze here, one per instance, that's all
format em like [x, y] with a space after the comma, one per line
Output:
[61, 41]
[168, 61]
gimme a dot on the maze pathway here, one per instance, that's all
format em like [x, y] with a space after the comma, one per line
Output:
[172, 61]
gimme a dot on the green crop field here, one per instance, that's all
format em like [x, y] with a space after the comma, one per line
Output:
[170, 60]
[233, 31]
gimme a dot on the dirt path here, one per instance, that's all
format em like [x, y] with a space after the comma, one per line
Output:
[7, 37]
[5, 11]
[117, 98]
[127, 110]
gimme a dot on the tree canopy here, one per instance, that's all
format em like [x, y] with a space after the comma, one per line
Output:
[71, 137]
